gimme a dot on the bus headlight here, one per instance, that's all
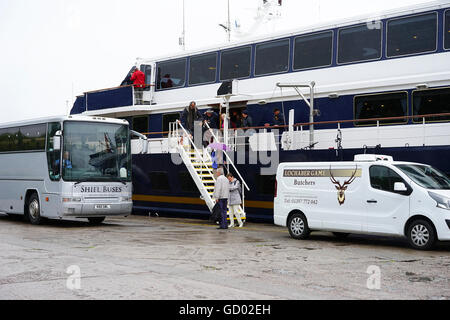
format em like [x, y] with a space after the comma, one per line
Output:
[126, 199]
[77, 199]
[442, 202]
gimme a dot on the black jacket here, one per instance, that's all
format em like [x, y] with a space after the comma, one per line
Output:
[213, 121]
[184, 119]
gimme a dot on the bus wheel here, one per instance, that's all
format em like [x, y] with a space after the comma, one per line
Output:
[96, 220]
[34, 210]
[421, 235]
[298, 226]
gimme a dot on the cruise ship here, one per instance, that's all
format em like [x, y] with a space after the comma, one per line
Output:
[370, 84]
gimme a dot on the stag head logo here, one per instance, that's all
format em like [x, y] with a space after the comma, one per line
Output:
[341, 188]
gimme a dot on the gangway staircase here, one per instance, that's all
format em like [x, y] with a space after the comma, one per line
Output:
[199, 164]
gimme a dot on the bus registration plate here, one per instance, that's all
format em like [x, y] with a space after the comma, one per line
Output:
[102, 206]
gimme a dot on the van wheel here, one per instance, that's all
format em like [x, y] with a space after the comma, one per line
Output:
[421, 235]
[341, 235]
[97, 220]
[34, 210]
[298, 226]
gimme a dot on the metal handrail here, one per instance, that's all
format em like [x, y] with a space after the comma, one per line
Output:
[113, 88]
[195, 148]
[228, 157]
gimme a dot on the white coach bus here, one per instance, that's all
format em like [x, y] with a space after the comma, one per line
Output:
[68, 166]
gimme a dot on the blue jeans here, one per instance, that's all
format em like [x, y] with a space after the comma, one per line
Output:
[224, 206]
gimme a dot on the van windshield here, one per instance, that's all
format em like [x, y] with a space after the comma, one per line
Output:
[426, 176]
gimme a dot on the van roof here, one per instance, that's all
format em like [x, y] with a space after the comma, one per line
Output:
[347, 163]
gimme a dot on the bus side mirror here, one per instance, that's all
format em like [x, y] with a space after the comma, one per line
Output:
[57, 141]
[123, 173]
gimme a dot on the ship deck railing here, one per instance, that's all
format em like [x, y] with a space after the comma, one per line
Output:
[236, 138]
[115, 97]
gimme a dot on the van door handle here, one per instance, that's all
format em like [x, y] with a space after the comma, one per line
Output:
[372, 201]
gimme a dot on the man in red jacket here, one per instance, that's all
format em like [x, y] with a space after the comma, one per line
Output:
[138, 79]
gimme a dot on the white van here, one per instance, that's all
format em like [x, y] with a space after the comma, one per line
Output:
[372, 195]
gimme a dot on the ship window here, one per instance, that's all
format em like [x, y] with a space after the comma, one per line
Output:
[447, 30]
[140, 124]
[313, 50]
[202, 69]
[171, 74]
[266, 184]
[272, 57]
[167, 119]
[186, 183]
[159, 181]
[147, 70]
[412, 35]
[235, 64]
[359, 43]
[431, 102]
[381, 106]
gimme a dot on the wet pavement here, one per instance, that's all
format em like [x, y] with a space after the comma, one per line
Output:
[162, 258]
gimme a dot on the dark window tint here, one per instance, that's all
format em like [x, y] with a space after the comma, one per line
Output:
[431, 102]
[265, 184]
[359, 43]
[26, 138]
[186, 183]
[383, 178]
[202, 69]
[147, 70]
[381, 106]
[159, 181]
[6, 141]
[272, 57]
[167, 119]
[411, 35]
[235, 64]
[171, 74]
[33, 137]
[447, 30]
[53, 155]
[140, 124]
[313, 51]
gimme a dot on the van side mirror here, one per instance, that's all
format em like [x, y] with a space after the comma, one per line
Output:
[400, 187]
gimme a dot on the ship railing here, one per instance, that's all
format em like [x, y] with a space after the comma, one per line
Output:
[115, 97]
[230, 161]
[185, 134]
[422, 120]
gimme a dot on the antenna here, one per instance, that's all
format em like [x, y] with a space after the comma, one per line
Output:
[182, 39]
[229, 23]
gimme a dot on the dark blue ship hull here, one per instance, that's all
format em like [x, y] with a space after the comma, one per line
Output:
[165, 188]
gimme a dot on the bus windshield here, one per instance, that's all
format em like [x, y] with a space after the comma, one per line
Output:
[425, 176]
[96, 151]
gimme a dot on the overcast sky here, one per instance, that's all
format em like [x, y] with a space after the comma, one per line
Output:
[50, 49]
